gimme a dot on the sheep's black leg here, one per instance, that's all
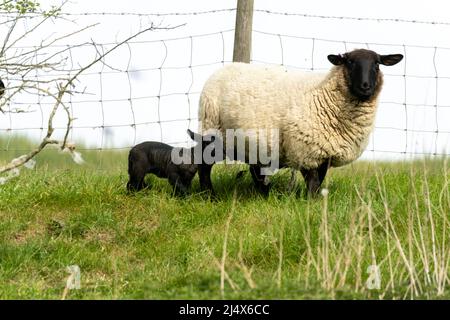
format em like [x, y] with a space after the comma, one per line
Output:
[323, 169]
[204, 174]
[315, 177]
[311, 177]
[259, 179]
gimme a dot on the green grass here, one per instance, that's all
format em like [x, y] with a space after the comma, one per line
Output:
[153, 245]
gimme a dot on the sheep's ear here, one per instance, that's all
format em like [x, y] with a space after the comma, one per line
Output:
[336, 59]
[390, 59]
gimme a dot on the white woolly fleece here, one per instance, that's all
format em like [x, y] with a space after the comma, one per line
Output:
[317, 117]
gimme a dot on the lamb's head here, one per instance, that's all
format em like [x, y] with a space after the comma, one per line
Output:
[361, 71]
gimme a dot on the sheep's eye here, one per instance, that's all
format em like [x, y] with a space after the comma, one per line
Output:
[349, 62]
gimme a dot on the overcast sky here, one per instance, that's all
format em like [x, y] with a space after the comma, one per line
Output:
[294, 40]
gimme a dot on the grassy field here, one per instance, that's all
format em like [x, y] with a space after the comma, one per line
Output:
[153, 245]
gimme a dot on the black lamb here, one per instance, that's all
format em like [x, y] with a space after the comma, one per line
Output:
[156, 157]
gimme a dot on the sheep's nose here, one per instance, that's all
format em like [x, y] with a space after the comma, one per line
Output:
[365, 85]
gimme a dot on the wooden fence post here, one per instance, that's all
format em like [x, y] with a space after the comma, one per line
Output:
[243, 31]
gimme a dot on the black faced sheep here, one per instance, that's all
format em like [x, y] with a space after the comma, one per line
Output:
[324, 120]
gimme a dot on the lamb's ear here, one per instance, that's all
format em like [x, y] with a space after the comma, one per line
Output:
[195, 136]
[390, 59]
[191, 134]
[336, 59]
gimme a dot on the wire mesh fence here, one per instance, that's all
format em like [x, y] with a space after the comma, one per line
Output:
[149, 88]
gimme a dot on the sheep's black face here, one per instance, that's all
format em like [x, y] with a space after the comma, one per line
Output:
[362, 70]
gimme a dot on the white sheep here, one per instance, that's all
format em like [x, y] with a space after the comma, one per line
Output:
[324, 120]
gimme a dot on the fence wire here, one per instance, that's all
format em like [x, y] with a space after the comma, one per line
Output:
[124, 102]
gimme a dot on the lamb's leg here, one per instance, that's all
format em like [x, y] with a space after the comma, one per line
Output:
[136, 183]
[260, 180]
[178, 186]
[137, 175]
[143, 185]
[131, 186]
[204, 174]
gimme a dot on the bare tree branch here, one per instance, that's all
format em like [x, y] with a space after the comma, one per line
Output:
[24, 62]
